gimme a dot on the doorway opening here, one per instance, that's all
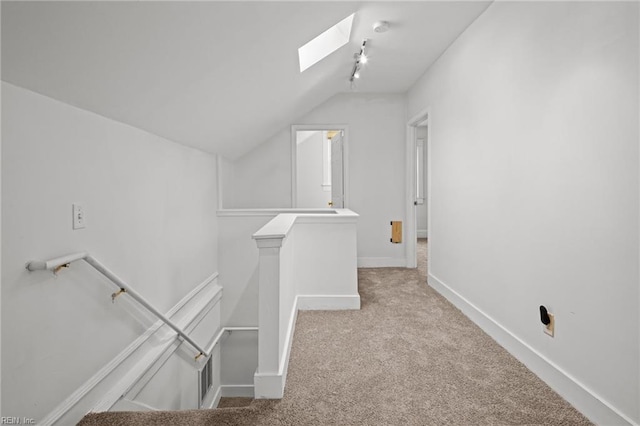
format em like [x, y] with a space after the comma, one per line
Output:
[318, 166]
[422, 213]
[418, 193]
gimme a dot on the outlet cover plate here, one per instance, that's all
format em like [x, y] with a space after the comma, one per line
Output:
[550, 328]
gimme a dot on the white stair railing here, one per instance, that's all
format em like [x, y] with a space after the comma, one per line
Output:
[55, 265]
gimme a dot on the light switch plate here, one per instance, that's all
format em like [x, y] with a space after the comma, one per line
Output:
[79, 216]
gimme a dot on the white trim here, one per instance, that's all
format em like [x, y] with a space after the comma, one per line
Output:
[126, 355]
[215, 401]
[269, 212]
[429, 179]
[383, 262]
[270, 385]
[345, 168]
[129, 405]
[410, 166]
[294, 166]
[345, 158]
[1, 227]
[342, 216]
[422, 233]
[576, 393]
[243, 391]
[410, 208]
[328, 303]
[281, 225]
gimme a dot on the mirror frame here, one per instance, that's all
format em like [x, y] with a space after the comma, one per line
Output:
[294, 156]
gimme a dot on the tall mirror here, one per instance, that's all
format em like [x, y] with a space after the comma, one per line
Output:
[318, 167]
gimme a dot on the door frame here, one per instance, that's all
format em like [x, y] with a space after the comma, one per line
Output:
[422, 118]
[345, 158]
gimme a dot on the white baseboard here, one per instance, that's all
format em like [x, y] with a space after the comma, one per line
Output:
[129, 405]
[422, 233]
[582, 398]
[268, 385]
[245, 391]
[381, 262]
[215, 401]
[328, 303]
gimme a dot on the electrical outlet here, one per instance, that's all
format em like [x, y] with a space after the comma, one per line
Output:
[549, 328]
[79, 216]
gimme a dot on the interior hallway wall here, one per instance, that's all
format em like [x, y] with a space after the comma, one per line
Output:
[225, 174]
[262, 177]
[376, 162]
[534, 143]
[151, 218]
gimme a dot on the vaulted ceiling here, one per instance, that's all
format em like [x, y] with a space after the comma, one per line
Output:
[218, 76]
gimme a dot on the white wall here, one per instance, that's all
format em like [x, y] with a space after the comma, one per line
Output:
[376, 163]
[226, 173]
[262, 177]
[534, 164]
[150, 207]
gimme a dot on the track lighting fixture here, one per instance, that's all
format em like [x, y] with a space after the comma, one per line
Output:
[361, 58]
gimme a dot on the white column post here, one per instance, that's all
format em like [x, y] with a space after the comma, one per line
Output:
[267, 381]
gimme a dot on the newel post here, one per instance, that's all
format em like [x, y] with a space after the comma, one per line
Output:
[268, 316]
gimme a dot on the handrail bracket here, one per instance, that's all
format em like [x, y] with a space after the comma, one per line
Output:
[59, 267]
[117, 293]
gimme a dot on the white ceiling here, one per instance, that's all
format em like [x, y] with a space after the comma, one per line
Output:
[218, 76]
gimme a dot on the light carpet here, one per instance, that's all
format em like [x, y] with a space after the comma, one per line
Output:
[408, 357]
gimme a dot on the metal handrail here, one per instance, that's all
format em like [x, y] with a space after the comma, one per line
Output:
[216, 340]
[57, 264]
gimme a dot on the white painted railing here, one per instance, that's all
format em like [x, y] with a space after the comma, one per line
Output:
[55, 265]
[306, 261]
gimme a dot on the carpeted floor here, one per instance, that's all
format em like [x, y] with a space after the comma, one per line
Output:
[408, 357]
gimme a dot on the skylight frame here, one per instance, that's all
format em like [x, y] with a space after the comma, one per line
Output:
[325, 44]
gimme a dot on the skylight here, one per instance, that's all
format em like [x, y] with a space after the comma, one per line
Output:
[326, 43]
